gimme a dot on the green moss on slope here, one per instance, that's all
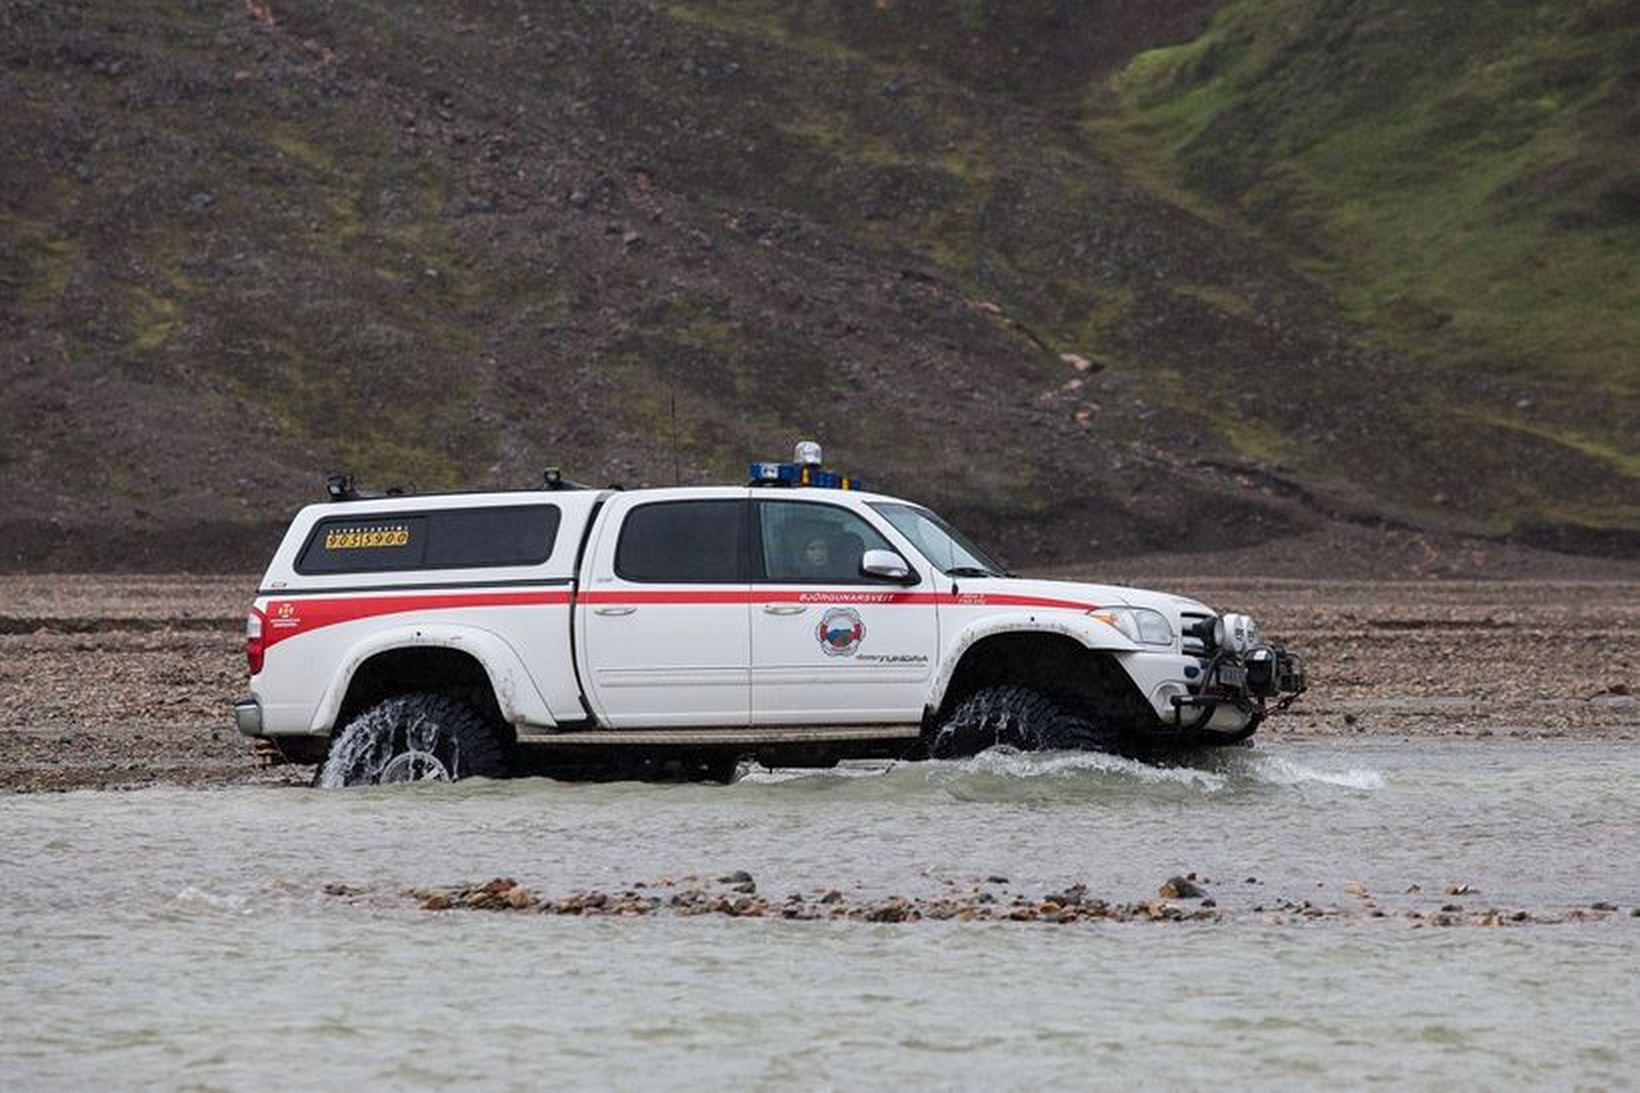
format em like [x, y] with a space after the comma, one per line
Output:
[1464, 175]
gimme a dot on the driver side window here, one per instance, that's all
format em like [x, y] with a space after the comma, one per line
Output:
[804, 541]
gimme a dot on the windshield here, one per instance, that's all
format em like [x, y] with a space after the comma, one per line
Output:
[939, 542]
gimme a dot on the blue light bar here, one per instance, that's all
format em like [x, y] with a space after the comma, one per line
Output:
[801, 474]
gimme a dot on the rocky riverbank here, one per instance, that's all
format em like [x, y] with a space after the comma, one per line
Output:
[1186, 898]
[125, 681]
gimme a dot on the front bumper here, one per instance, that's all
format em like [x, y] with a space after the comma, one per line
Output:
[1220, 696]
[1249, 684]
[247, 714]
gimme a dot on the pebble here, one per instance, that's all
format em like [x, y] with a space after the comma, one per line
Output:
[1070, 897]
[1181, 888]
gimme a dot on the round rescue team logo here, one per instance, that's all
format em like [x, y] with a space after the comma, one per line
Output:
[840, 632]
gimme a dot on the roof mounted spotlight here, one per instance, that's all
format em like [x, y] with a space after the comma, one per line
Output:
[340, 487]
[807, 453]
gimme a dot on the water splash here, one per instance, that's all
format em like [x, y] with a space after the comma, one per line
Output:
[1080, 766]
[1008, 773]
[234, 904]
[1250, 768]
[353, 750]
[1278, 770]
[766, 776]
[378, 743]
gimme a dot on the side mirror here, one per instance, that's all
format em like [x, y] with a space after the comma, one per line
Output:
[884, 563]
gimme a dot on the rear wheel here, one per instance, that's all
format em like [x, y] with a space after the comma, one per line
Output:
[1017, 717]
[413, 738]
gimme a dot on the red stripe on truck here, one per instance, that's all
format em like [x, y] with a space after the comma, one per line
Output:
[286, 618]
[1005, 599]
[831, 595]
[776, 595]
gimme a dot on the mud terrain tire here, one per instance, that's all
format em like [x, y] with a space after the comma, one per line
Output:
[1017, 717]
[414, 737]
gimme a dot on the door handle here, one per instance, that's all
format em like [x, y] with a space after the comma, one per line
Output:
[624, 609]
[783, 609]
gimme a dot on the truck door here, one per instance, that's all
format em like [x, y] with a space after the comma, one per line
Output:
[830, 645]
[663, 623]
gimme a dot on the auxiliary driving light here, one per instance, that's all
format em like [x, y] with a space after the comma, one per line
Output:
[1237, 633]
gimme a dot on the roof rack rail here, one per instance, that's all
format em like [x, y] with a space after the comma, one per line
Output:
[341, 487]
[344, 487]
[553, 479]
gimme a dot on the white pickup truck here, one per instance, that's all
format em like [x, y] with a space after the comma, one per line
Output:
[797, 620]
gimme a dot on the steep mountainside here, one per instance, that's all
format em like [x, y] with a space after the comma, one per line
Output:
[1467, 179]
[1031, 262]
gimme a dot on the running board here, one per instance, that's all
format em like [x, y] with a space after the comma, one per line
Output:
[794, 734]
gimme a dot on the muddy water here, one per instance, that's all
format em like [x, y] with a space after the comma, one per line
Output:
[185, 938]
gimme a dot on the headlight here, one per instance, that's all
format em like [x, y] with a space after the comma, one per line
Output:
[1237, 633]
[1138, 624]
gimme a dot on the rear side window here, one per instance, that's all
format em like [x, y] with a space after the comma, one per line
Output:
[445, 539]
[693, 542]
[490, 537]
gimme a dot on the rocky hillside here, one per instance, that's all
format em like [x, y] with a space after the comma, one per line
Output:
[1465, 180]
[1095, 278]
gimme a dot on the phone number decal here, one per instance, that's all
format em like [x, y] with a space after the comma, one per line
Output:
[367, 538]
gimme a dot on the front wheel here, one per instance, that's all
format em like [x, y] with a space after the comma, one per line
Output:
[413, 738]
[1017, 717]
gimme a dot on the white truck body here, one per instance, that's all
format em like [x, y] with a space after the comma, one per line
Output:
[681, 610]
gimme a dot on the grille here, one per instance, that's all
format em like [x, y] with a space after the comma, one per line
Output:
[1192, 646]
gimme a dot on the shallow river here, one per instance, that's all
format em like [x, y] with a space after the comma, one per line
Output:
[184, 937]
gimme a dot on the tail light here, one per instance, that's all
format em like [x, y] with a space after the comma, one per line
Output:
[254, 649]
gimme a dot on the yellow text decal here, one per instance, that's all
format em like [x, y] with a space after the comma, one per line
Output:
[389, 535]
